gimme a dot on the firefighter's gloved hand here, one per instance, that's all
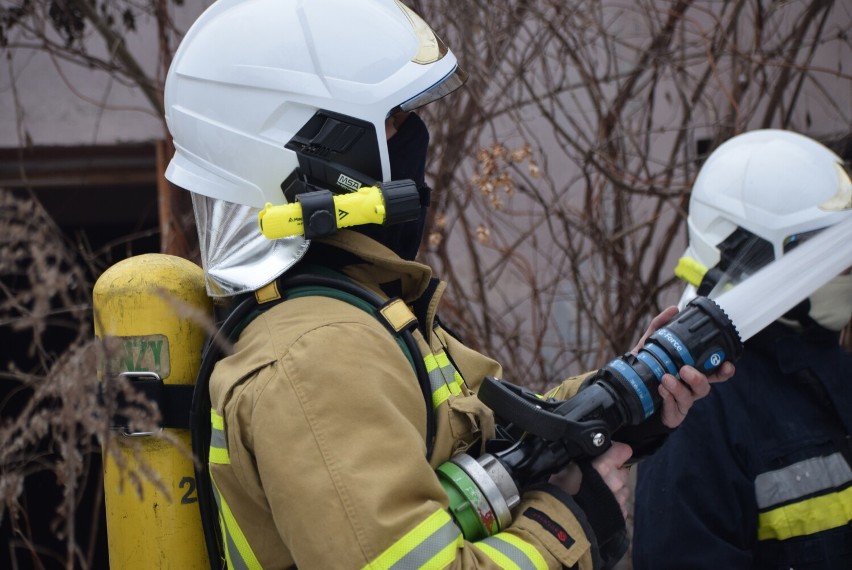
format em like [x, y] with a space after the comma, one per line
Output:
[600, 488]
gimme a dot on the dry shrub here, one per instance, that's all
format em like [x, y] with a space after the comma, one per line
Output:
[54, 419]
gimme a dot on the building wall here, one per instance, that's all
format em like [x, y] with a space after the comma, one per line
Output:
[46, 101]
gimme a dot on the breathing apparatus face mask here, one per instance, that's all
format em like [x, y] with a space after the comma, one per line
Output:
[407, 153]
[831, 305]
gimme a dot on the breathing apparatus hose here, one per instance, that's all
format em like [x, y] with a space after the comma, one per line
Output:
[201, 404]
[201, 429]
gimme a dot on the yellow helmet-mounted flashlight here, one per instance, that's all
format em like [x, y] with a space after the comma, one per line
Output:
[320, 213]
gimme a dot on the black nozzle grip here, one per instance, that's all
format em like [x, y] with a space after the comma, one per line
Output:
[523, 408]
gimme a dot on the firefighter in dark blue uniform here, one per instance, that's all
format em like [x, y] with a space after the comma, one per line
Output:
[759, 475]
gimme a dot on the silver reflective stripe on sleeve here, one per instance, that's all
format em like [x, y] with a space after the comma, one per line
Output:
[238, 553]
[804, 498]
[434, 543]
[424, 552]
[510, 552]
[218, 452]
[443, 377]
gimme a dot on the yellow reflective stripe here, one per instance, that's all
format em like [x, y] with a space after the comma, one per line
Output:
[451, 375]
[440, 396]
[498, 557]
[431, 544]
[219, 456]
[443, 558]
[218, 444]
[440, 392]
[443, 377]
[443, 359]
[806, 517]
[459, 381]
[238, 553]
[510, 552]
[534, 556]
[217, 421]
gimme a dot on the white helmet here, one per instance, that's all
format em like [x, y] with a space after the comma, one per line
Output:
[264, 95]
[756, 196]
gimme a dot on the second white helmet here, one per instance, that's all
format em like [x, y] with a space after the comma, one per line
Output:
[756, 196]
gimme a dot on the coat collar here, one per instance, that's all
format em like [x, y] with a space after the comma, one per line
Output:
[377, 267]
[793, 350]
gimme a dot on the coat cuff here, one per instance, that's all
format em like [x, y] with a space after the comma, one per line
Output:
[553, 518]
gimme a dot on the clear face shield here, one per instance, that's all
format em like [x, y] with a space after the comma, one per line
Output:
[431, 49]
[445, 86]
[830, 306]
[741, 255]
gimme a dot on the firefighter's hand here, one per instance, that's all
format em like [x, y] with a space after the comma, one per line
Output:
[600, 489]
[610, 465]
[678, 397]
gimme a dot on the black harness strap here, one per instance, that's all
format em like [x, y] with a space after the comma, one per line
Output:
[172, 400]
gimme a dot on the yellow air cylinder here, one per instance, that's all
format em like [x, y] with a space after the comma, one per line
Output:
[151, 303]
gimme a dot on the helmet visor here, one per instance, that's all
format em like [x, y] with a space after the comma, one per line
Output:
[445, 86]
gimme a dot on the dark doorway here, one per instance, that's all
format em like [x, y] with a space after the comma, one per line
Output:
[102, 203]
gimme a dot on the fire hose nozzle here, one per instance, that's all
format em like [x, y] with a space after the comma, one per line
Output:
[555, 432]
[320, 213]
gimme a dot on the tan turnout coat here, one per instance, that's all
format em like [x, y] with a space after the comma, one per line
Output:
[324, 425]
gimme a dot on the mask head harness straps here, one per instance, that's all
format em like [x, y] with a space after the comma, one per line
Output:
[316, 281]
[741, 254]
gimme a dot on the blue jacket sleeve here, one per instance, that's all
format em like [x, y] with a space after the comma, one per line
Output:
[694, 501]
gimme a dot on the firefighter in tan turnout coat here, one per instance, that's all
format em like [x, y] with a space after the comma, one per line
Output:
[326, 427]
